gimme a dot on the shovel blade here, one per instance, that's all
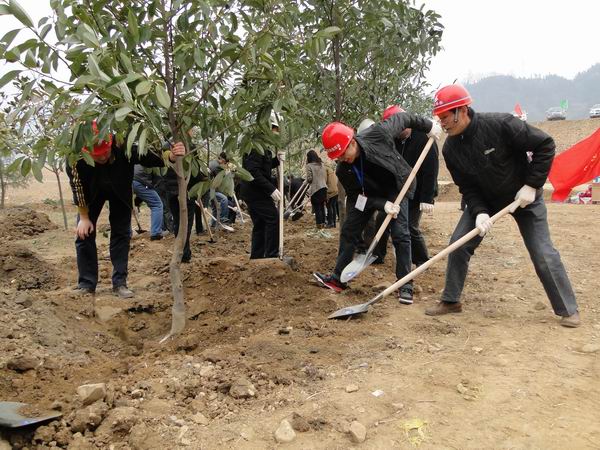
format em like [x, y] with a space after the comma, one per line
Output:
[349, 311]
[358, 264]
[11, 417]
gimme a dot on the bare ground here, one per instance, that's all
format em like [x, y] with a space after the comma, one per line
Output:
[502, 375]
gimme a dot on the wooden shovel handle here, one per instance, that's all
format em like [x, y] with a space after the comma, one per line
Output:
[203, 211]
[467, 237]
[403, 191]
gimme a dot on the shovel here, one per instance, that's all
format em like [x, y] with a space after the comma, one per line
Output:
[355, 310]
[286, 259]
[12, 415]
[237, 205]
[361, 262]
[291, 210]
[199, 203]
[139, 230]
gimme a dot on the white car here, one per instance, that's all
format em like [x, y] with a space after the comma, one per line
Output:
[595, 111]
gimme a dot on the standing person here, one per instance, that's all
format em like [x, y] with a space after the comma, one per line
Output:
[487, 156]
[261, 195]
[316, 176]
[332, 197]
[110, 179]
[372, 173]
[410, 144]
[143, 188]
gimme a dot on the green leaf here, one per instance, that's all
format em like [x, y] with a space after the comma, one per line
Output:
[162, 96]
[8, 77]
[37, 172]
[122, 113]
[133, 25]
[131, 138]
[243, 174]
[17, 10]
[10, 36]
[88, 159]
[142, 142]
[328, 32]
[26, 167]
[143, 87]
[4, 10]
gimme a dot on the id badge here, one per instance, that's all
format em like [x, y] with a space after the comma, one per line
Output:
[361, 202]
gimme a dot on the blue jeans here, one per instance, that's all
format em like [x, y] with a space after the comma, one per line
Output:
[152, 199]
[533, 225]
[223, 206]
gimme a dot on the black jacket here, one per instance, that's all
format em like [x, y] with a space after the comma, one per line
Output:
[410, 149]
[144, 177]
[117, 175]
[259, 166]
[489, 160]
[385, 171]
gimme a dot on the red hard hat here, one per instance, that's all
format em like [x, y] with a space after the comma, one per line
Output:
[390, 111]
[102, 147]
[450, 97]
[336, 137]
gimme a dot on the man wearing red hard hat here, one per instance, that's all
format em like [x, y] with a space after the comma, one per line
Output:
[487, 156]
[109, 179]
[372, 173]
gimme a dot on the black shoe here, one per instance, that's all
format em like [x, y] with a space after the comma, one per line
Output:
[186, 259]
[156, 237]
[405, 295]
[123, 291]
[331, 282]
[378, 261]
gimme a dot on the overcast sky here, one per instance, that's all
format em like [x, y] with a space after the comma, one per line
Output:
[483, 37]
[522, 38]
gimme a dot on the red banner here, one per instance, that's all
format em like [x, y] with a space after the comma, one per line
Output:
[575, 166]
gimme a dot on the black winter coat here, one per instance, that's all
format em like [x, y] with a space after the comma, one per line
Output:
[259, 166]
[385, 171]
[410, 149]
[489, 161]
[87, 181]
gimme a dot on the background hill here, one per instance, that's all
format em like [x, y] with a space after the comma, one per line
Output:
[536, 95]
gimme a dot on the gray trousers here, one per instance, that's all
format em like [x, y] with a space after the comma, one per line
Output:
[533, 225]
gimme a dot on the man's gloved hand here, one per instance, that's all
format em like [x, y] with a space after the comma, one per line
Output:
[525, 196]
[276, 195]
[392, 209]
[281, 156]
[436, 131]
[426, 208]
[483, 222]
[85, 227]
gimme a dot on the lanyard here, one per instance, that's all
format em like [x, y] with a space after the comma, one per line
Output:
[360, 175]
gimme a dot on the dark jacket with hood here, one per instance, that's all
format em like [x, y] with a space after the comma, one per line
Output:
[494, 157]
[384, 170]
[410, 149]
[259, 166]
[116, 175]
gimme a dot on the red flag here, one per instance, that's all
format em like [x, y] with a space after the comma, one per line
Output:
[518, 110]
[575, 166]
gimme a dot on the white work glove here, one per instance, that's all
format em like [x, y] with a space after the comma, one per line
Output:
[391, 208]
[525, 196]
[426, 208]
[436, 131]
[276, 195]
[483, 222]
[281, 156]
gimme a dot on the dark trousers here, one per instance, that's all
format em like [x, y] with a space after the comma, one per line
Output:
[332, 211]
[318, 200]
[173, 200]
[351, 236]
[418, 248]
[120, 235]
[265, 229]
[533, 225]
[198, 219]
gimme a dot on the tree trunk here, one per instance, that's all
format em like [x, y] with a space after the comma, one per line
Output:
[2, 183]
[338, 116]
[62, 200]
[178, 310]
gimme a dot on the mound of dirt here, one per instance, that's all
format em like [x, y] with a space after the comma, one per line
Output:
[20, 268]
[22, 222]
